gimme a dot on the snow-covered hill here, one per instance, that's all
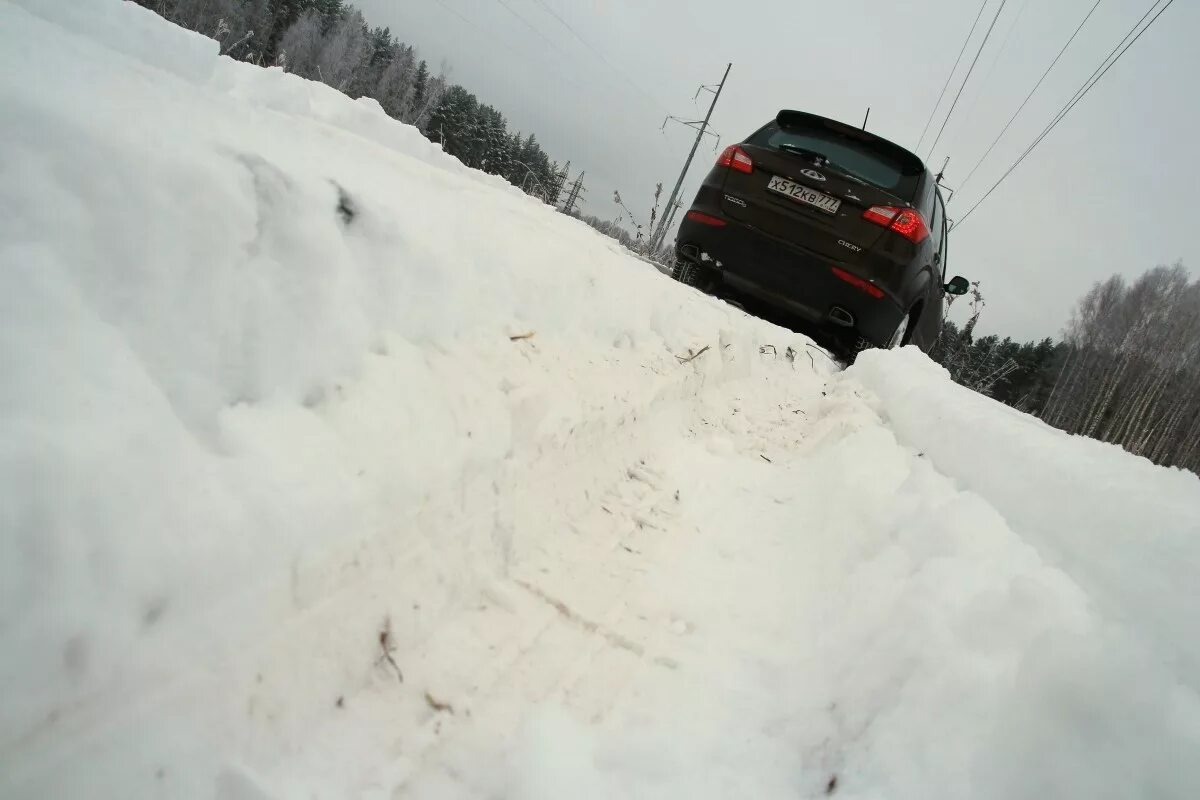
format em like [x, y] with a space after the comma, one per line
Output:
[331, 468]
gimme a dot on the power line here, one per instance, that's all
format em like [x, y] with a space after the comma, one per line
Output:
[950, 77]
[458, 14]
[970, 69]
[1025, 102]
[529, 25]
[1086, 87]
[987, 78]
[1082, 92]
[491, 37]
[598, 54]
[503, 4]
[524, 52]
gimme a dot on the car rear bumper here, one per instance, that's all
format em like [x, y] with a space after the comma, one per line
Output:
[785, 276]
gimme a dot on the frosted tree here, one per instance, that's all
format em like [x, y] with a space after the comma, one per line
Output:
[395, 89]
[497, 154]
[260, 22]
[425, 102]
[421, 83]
[344, 51]
[301, 45]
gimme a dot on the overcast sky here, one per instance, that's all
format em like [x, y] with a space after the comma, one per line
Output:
[1110, 190]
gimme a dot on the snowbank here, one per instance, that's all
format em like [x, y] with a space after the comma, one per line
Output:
[255, 336]
[1104, 699]
[329, 467]
[1126, 529]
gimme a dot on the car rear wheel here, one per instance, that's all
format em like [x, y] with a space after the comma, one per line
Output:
[900, 337]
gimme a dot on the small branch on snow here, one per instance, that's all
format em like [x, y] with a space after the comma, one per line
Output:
[823, 352]
[692, 356]
[762, 351]
[387, 647]
[437, 705]
[519, 336]
[764, 458]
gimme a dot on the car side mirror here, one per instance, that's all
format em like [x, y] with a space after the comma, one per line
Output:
[957, 285]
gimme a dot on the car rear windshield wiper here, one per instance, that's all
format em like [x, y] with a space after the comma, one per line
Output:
[822, 160]
[817, 158]
[847, 173]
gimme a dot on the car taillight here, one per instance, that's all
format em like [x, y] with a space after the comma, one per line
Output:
[705, 219]
[858, 283]
[907, 222]
[736, 158]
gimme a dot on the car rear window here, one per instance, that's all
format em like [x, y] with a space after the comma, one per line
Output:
[876, 164]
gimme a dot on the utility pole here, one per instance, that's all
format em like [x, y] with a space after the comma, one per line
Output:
[556, 190]
[670, 214]
[573, 196]
[949, 191]
[661, 231]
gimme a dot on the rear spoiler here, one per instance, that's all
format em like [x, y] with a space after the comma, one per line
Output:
[910, 163]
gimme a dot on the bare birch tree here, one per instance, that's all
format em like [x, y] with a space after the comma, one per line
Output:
[1132, 371]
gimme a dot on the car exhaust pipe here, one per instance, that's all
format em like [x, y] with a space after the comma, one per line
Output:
[691, 252]
[840, 316]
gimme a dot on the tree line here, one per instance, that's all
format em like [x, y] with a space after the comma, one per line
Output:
[1127, 370]
[331, 42]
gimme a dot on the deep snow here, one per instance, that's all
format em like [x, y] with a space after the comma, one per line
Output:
[249, 444]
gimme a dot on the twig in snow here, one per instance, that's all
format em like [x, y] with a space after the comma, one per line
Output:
[437, 705]
[810, 359]
[387, 647]
[823, 352]
[693, 356]
[519, 336]
[764, 458]
[238, 43]
[762, 351]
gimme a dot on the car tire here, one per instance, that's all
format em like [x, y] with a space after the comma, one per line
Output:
[691, 274]
[686, 273]
[903, 332]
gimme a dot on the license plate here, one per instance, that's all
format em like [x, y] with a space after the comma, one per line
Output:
[804, 194]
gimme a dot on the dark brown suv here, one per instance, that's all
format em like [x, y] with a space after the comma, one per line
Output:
[827, 222]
